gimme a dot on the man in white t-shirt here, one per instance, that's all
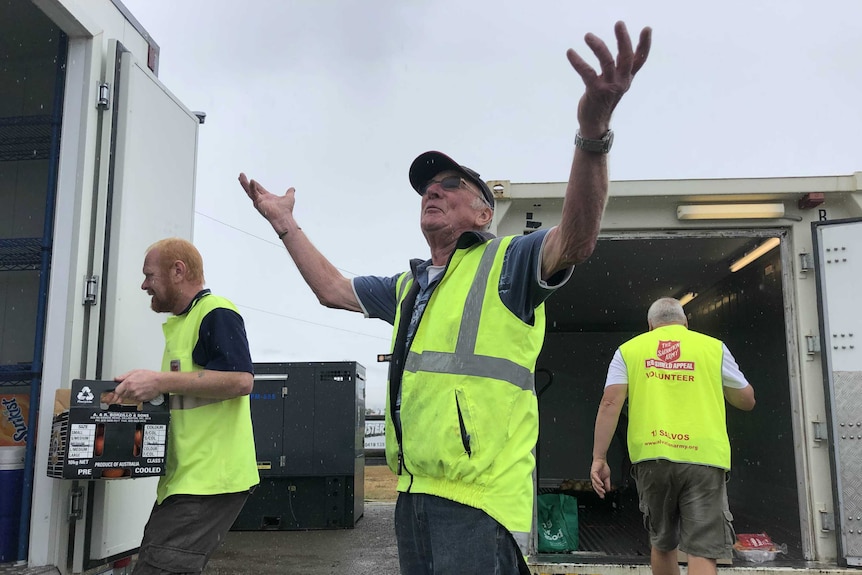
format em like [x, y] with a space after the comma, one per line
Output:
[676, 382]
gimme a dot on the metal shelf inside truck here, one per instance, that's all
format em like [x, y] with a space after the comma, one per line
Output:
[17, 254]
[25, 138]
[16, 374]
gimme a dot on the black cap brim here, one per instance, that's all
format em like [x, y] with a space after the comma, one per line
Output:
[427, 165]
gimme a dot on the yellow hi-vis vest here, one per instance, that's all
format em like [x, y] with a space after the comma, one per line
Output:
[469, 416]
[210, 441]
[676, 401]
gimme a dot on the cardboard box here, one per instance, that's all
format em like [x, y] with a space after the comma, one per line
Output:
[93, 440]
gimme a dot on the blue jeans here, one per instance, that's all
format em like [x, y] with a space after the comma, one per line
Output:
[437, 536]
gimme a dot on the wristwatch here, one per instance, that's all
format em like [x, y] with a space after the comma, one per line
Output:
[602, 145]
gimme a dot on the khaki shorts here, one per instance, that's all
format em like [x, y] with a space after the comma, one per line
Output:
[685, 505]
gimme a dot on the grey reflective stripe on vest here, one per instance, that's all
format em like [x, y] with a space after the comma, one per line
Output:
[407, 277]
[190, 401]
[464, 360]
[470, 364]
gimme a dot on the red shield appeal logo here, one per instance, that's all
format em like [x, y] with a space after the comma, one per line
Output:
[668, 351]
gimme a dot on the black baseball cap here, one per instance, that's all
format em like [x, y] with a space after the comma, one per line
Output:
[427, 165]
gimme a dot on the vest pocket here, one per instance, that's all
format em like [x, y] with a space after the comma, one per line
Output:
[455, 436]
[439, 438]
[465, 436]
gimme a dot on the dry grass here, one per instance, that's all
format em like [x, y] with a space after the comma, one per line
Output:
[379, 483]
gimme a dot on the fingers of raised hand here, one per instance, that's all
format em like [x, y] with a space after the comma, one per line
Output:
[644, 44]
[258, 190]
[624, 48]
[603, 54]
[253, 189]
[613, 71]
[629, 62]
[246, 185]
[584, 70]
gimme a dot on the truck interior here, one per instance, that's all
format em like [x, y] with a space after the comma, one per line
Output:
[603, 305]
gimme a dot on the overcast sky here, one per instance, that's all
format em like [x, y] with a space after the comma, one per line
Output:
[337, 98]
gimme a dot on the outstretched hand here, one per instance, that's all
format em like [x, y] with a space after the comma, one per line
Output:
[271, 206]
[604, 91]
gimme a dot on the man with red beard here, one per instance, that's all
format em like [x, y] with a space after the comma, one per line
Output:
[207, 370]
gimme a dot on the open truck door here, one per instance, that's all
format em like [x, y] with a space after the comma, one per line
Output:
[838, 261]
[146, 181]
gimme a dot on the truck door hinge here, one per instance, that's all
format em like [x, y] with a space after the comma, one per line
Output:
[76, 507]
[812, 344]
[819, 430]
[806, 262]
[282, 460]
[91, 290]
[827, 521]
[284, 391]
[104, 100]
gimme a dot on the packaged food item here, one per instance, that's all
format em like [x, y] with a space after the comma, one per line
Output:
[757, 547]
[754, 541]
[94, 440]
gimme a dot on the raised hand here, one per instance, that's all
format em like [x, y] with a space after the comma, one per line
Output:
[271, 206]
[604, 91]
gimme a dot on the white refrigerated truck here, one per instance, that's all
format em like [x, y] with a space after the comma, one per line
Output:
[97, 161]
[774, 266]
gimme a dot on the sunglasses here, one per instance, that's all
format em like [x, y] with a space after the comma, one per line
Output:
[449, 183]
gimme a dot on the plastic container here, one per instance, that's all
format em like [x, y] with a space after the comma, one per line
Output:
[11, 486]
[757, 555]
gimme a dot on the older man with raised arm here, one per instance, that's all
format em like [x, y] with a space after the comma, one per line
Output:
[462, 416]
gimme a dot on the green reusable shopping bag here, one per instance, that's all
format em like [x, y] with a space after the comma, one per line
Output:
[558, 523]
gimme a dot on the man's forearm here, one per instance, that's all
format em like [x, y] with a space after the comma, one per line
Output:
[607, 419]
[606, 424]
[328, 284]
[584, 205]
[207, 383]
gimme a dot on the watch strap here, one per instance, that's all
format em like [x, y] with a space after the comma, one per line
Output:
[602, 145]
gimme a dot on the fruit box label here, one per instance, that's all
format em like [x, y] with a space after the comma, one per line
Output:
[98, 441]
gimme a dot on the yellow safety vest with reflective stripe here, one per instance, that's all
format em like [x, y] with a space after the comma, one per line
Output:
[469, 415]
[210, 441]
[676, 400]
